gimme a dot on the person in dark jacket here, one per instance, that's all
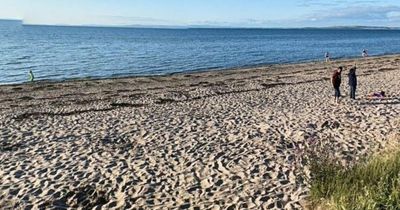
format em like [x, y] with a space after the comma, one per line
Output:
[336, 82]
[353, 82]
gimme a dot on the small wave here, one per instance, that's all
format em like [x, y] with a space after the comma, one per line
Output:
[388, 53]
[24, 57]
[25, 67]
[85, 48]
[17, 47]
[14, 63]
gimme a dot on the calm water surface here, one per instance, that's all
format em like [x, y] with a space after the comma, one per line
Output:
[58, 53]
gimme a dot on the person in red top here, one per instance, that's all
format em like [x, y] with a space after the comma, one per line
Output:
[336, 82]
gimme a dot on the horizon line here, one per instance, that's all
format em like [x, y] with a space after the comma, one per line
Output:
[194, 26]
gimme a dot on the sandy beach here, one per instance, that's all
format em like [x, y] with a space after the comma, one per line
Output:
[210, 140]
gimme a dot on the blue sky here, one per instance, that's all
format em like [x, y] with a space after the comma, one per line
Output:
[228, 13]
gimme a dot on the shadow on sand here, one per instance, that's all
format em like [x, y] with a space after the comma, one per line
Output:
[382, 101]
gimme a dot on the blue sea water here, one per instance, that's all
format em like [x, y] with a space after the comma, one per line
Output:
[58, 53]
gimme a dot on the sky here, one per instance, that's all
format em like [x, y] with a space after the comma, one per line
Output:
[213, 13]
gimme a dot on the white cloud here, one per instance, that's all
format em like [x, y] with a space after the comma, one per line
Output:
[362, 15]
[394, 15]
[335, 13]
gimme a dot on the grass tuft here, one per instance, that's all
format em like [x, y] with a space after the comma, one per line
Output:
[371, 184]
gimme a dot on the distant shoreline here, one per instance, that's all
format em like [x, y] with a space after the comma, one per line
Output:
[216, 27]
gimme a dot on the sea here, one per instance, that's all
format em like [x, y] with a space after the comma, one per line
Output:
[59, 53]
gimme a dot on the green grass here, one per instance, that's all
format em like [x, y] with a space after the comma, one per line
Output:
[371, 184]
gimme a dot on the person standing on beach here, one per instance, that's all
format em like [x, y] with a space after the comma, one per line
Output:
[31, 76]
[353, 82]
[327, 57]
[364, 53]
[336, 81]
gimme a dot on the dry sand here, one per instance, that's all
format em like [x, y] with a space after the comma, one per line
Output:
[213, 140]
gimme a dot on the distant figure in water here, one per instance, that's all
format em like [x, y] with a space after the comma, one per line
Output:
[31, 76]
[336, 81]
[327, 57]
[364, 53]
[353, 82]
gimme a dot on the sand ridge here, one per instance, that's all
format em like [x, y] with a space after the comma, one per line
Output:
[210, 140]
